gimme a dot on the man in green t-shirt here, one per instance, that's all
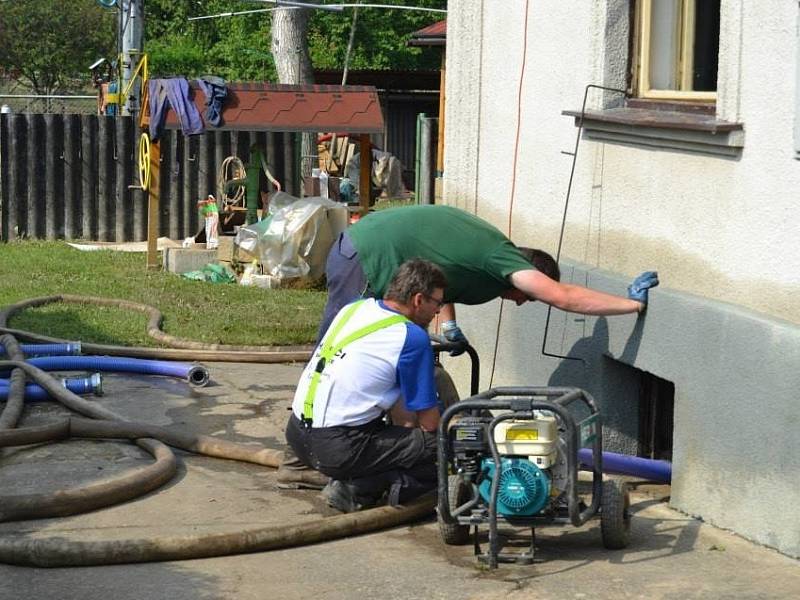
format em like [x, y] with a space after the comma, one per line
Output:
[479, 262]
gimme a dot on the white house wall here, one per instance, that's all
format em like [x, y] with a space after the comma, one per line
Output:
[722, 232]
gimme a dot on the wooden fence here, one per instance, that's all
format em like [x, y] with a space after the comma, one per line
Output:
[75, 176]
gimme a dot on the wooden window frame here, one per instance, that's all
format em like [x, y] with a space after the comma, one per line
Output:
[685, 33]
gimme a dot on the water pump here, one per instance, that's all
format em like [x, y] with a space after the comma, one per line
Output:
[509, 455]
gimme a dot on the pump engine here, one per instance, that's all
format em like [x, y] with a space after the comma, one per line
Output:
[530, 475]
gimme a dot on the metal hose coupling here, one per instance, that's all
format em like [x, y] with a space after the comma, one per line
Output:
[84, 385]
[198, 376]
[96, 383]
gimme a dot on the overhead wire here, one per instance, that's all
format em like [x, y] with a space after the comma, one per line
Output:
[574, 155]
[337, 7]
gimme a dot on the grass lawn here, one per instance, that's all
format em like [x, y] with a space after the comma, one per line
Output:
[207, 312]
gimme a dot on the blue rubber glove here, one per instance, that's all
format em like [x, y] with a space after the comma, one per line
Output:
[452, 333]
[638, 289]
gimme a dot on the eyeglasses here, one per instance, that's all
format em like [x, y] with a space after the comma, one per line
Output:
[439, 303]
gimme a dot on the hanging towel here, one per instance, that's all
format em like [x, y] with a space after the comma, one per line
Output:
[215, 90]
[172, 92]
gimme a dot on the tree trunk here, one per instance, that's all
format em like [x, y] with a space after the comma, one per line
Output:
[290, 45]
[293, 64]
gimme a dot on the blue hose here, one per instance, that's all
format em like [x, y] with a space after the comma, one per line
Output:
[659, 471]
[196, 375]
[77, 385]
[69, 348]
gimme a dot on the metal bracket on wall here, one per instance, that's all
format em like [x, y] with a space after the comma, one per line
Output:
[574, 155]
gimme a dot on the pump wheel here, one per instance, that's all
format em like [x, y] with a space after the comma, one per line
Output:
[144, 161]
[615, 518]
[458, 493]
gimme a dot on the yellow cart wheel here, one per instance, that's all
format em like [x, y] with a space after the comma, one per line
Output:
[144, 161]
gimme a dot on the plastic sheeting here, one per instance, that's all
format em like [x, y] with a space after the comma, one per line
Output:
[294, 240]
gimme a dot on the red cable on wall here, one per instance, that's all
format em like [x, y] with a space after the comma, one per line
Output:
[513, 175]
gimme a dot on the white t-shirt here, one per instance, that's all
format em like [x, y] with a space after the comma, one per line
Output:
[370, 374]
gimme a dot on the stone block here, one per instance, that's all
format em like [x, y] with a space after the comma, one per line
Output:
[183, 260]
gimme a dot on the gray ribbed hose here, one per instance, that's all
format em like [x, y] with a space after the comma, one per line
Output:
[61, 552]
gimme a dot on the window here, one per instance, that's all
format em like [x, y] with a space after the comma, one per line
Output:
[678, 49]
[674, 48]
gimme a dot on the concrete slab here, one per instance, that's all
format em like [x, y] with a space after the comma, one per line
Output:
[183, 260]
[671, 555]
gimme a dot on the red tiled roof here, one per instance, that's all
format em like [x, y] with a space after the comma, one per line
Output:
[437, 29]
[432, 35]
[277, 107]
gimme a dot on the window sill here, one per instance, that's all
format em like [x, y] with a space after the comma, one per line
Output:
[664, 129]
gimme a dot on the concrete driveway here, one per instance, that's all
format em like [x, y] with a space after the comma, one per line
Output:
[671, 555]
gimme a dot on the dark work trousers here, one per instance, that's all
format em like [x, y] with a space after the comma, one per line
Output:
[365, 451]
[346, 281]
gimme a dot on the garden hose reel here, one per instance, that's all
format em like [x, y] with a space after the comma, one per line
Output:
[144, 161]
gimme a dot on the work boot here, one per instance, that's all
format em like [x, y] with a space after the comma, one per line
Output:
[406, 487]
[293, 474]
[343, 496]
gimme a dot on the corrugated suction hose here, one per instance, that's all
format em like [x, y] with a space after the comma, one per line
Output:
[60, 552]
[195, 375]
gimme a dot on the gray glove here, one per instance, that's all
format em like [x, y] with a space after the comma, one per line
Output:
[452, 333]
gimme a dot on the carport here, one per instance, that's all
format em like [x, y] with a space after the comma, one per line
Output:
[354, 110]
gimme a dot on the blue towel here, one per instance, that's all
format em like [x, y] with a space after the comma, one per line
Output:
[172, 92]
[215, 90]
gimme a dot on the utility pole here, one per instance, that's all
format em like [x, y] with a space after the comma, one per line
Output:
[131, 36]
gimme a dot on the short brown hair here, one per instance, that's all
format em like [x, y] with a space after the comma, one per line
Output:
[542, 261]
[415, 276]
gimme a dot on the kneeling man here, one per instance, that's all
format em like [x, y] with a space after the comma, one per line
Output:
[375, 358]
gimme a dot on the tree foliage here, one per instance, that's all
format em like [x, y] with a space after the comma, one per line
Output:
[238, 47]
[381, 39]
[235, 48]
[49, 44]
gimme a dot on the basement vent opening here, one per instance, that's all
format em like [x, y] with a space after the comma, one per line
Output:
[656, 417]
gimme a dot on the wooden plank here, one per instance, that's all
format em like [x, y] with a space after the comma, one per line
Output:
[105, 178]
[153, 196]
[341, 150]
[189, 186]
[71, 171]
[16, 155]
[351, 150]
[323, 157]
[440, 141]
[219, 157]
[289, 170]
[174, 163]
[89, 169]
[138, 195]
[122, 163]
[53, 207]
[364, 180]
[7, 197]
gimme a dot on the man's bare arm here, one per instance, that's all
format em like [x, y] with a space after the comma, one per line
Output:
[572, 298]
[428, 419]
